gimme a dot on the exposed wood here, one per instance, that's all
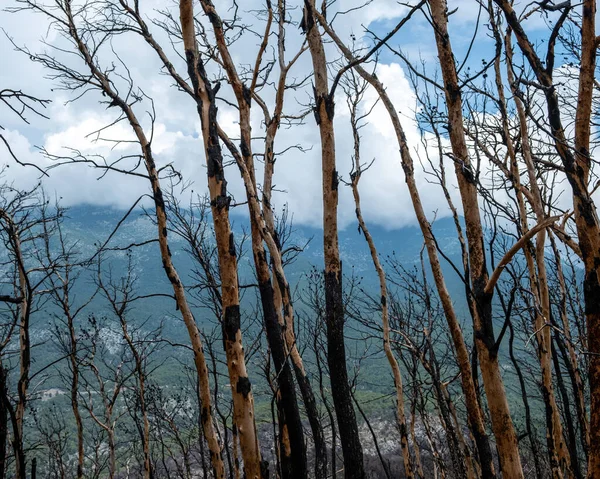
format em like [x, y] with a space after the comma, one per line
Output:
[324, 110]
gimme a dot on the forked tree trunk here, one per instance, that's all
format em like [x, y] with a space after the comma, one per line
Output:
[241, 389]
[474, 414]
[502, 424]
[63, 297]
[577, 169]
[292, 448]
[168, 266]
[282, 294]
[385, 319]
[286, 322]
[334, 307]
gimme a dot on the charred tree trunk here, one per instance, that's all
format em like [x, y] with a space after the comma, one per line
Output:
[241, 389]
[292, 448]
[569, 426]
[334, 307]
[4, 420]
[502, 424]
[577, 167]
[23, 287]
[292, 451]
[75, 395]
[571, 358]
[475, 416]
[282, 294]
[161, 218]
[588, 224]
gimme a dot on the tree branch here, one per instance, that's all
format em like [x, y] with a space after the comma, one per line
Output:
[489, 288]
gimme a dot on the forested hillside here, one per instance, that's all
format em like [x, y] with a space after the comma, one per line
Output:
[267, 238]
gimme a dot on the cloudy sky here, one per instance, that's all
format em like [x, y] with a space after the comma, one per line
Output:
[72, 124]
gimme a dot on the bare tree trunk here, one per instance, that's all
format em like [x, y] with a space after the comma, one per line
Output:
[141, 377]
[474, 413]
[241, 389]
[334, 307]
[75, 395]
[4, 418]
[24, 345]
[573, 361]
[112, 456]
[325, 400]
[236, 457]
[463, 458]
[25, 362]
[577, 168]
[588, 225]
[502, 424]
[161, 218]
[413, 419]
[569, 426]
[355, 178]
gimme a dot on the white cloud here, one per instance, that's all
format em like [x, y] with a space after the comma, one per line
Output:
[177, 137]
[87, 137]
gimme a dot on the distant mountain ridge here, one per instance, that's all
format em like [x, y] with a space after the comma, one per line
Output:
[91, 225]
